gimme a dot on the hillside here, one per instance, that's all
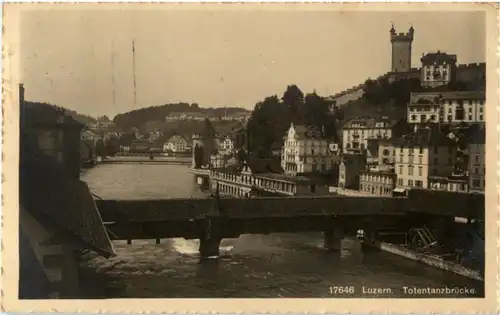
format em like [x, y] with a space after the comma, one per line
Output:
[48, 108]
[138, 118]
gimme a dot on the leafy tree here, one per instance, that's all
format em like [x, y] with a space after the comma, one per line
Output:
[100, 148]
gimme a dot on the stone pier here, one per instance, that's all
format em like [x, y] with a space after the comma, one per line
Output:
[209, 247]
[371, 239]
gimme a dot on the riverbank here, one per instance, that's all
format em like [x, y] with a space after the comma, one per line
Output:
[431, 260]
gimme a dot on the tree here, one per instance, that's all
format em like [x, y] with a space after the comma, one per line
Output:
[99, 148]
[293, 98]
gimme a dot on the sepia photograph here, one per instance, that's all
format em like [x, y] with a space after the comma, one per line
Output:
[224, 152]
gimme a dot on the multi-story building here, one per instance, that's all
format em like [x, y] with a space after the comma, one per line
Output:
[463, 106]
[305, 151]
[356, 132]
[438, 69]
[377, 182]
[352, 163]
[176, 143]
[477, 161]
[174, 116]
[447, 107]
[423, 153]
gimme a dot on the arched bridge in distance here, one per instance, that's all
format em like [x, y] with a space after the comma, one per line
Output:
[212, 219]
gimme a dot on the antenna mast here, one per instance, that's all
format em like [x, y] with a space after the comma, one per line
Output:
[133, 69]
[113, 72]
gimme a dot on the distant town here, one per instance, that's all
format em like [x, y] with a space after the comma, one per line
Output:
[409, 128]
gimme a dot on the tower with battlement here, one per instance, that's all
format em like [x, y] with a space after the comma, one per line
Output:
[401, 50]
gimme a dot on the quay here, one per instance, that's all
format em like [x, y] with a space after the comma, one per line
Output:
[145, 160]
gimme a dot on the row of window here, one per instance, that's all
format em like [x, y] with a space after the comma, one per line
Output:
[376, 190]
[376, 178]
[411, 183]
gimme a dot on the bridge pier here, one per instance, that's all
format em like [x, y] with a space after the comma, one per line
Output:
[332, 239]
[209, 247]
[371, 239]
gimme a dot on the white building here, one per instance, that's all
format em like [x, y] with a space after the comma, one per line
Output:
[477, 161]
[356, 132]
[447, 107]
[176, 143]
[438, 69]
[305, 151]
[175, 116]
[421, 154]
[226, 145]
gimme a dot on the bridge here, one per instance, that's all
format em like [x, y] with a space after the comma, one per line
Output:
[212, 219]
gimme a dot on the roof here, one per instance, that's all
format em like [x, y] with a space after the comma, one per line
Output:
[438, 58]
[368, 123]
[176, 138]
[285, 178]
[46, 115]
[429, 136]
[47, 191]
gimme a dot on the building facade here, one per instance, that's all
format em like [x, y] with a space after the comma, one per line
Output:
[357, 132]
[305, 151]
[176, 143]
[455, 183]
[447, 107]
[438, 69]
[421, 154]
[380, 183]
[350, 166]
[226, 145]
[401, 50]
[477, 161]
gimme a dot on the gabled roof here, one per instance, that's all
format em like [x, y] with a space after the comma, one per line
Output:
[48, 192]
[438, 58]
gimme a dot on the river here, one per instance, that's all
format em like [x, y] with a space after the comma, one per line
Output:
[267, 266]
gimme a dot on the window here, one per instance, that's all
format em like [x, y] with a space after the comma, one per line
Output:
[400, 159]
[476, 183]
[476, 170]
[410, 159]
[421, 150]
[470, 109]
[401, 169]
[413, 117]
[480, 109]
[480, 117]
[410, 182]
[420, 171]
[400, 181]
[419, 160]
[477, 158]
[410, 170]
[419, 184]
[312, 151]
[470, 117]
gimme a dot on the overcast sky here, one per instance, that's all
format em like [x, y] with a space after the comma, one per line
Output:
[221, 58]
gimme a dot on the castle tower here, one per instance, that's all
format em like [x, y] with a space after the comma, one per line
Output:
[401, 50]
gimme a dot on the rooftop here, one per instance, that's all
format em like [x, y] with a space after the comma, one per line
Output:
[368, 123]
[438, 58]
[429, 136]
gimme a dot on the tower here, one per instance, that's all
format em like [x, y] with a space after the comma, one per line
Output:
[401, 50]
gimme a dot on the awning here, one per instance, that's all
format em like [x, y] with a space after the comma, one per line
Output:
[399, 190]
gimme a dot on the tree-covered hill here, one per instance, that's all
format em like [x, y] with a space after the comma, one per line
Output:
[139, 117]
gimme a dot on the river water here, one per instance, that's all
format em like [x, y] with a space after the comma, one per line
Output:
[277, 265]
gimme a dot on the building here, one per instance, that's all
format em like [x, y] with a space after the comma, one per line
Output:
[175, 116]
[305, 151]
[477, 161]
[423, 153]
[58, 218]
[356, 132]
[377, 182]
[176, 143]
[352, 163]
[451, 107]
[463, 106]
[401, 50]
[455, 183]
[438, 69]
[226, 145]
